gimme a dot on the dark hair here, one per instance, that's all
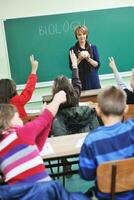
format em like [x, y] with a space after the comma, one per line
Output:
[7, 112]
[112, 101]
[63, 83]
[7, 90]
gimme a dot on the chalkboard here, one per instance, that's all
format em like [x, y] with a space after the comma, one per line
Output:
[49, 38]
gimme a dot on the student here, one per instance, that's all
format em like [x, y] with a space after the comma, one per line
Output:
[8, 92]
[87, 59]
[121, 84]
[72, 118]
[20, 144]
[113, 141]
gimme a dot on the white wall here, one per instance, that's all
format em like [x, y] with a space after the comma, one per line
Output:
[16, 8]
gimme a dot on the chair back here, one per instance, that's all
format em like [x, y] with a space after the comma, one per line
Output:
[116, 176]
[130, 113]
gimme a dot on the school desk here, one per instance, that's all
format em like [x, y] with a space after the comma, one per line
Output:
[87, 95]
[62, 147]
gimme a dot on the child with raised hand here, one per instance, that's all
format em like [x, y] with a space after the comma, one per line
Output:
[72, 118]
[121, 84]
[20, 144]
[8, 91]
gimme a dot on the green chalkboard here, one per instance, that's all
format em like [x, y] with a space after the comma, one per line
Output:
[50, 37]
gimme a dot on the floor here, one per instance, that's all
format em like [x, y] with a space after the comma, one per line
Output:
[75, 183]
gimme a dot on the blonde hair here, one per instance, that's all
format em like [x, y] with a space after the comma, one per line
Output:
[112, 101]
[81, 29]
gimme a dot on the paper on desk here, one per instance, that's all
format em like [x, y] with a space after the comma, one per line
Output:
[80, 142]
[47, 149]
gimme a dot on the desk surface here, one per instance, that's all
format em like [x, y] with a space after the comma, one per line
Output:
[88, 93]
[62, 146]
[84, 94]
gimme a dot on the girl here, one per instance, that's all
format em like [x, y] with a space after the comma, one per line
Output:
[20, 161]
[8, 92]
[72, 118]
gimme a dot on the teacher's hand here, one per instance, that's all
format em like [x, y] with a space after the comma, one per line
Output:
[83, 55]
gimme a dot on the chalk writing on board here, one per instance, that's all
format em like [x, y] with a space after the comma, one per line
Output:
[56, 29]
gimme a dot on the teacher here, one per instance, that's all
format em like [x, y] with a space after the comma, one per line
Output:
[87, 59]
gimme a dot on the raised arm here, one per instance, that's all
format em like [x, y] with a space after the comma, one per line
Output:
[121, 84]
[27, 92]
[75, 74]
[37, 130]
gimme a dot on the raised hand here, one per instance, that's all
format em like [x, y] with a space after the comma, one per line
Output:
[112, 64]
[60, 97]
[34, 64]
[73, 59]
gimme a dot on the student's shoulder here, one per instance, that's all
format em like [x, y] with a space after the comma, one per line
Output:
[129, 122]
[94, 135]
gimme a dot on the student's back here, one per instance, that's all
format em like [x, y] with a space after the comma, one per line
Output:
[78, 119]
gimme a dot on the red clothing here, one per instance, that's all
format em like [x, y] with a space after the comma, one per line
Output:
[19, 150]
[20, 100]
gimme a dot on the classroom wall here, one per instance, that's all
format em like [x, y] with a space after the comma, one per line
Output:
[16, 9]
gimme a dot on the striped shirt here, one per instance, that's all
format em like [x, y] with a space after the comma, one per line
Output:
[104, 144]
[20, 160]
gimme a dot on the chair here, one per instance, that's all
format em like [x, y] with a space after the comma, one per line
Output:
[116, 176]
[130, 113]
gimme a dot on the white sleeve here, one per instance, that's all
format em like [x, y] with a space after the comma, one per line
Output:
[120, 82]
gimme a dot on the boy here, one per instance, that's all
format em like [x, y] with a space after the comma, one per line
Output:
[113, 141]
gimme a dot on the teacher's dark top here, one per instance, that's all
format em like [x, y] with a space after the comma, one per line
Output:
[87, 73]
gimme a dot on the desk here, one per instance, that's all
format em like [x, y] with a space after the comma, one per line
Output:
[87, 95]
[63, 147]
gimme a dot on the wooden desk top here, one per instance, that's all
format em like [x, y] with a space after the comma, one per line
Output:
[90, 93]
[84, 94]
[67, 145]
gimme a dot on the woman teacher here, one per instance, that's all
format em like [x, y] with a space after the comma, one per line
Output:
[87, 59]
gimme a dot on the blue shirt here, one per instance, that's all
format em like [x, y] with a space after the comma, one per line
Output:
[104, 144]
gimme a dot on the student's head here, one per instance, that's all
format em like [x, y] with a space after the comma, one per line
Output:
[112, 102]
[81, 31]
[8, 117]
[7, 90]
[63, 83]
